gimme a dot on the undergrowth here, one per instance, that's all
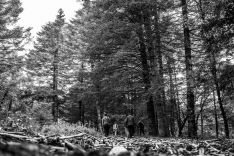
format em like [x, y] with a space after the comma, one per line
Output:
[65, 128]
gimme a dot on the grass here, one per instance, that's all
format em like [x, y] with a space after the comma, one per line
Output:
[65, 128]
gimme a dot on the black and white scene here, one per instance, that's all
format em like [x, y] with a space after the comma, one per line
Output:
[116, 78]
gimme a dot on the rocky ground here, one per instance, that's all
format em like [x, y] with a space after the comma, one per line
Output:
[82, 144]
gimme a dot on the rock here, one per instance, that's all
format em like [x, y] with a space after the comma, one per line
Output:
[115, 151]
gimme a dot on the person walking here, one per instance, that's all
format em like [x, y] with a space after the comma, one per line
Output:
[106, 124]
[141, 126]
[129, 122]
[126, 127]
[115, 128]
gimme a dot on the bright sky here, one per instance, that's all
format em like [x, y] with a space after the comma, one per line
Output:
[38, 12]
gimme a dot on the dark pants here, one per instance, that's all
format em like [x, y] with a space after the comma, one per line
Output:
[141, 131]
[131, 130]
[106, 129]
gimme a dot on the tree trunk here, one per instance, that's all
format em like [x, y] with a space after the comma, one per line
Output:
[153, 125]
[3, 98]
[172, 102]
[216, 116]
[98, 106]
[192, 127]
[180, 122]
[202, 124]
[163, 123]
[218, 91]
[211, 54]
[55, 105]
[200, 114]
[152, 63]
[81, 106]
[10, 105]
[146, 78]
[178, 117]
[99, 116]
[81, 112]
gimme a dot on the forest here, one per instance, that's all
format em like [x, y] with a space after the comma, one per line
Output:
[170, 63]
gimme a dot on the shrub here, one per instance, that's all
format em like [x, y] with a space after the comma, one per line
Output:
[65, 128]
[20, 122]
[41, 113]
[30, 121]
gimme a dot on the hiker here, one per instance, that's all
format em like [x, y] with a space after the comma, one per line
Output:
[126, 127]
[106, 124]
[129, 123]
[140, 126]
[115, 128]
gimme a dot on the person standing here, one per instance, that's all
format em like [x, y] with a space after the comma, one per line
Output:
[106, 124]
[129, 122]
[115, 128]
[141, 126]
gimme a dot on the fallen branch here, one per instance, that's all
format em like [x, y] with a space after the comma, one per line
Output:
[16, 133]
[14, 136]
[212, 148]
[72, 136]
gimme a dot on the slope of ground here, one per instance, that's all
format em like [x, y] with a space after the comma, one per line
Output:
[18, 144]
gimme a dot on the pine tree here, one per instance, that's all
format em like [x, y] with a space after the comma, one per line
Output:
[12, 37]
[51, 60]
[111, 48]
[192, 129]
[134, 52]
[12, 41]
[217, 34]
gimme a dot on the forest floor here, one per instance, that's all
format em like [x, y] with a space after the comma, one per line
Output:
[19, 144]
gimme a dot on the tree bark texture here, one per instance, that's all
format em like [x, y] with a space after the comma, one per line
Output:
[146, 77]
[163, 123]
[192, 127]
[3, 98]
[216, 116]
[218, 91]
[98, 107]
[172, 103]
[55, 105]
